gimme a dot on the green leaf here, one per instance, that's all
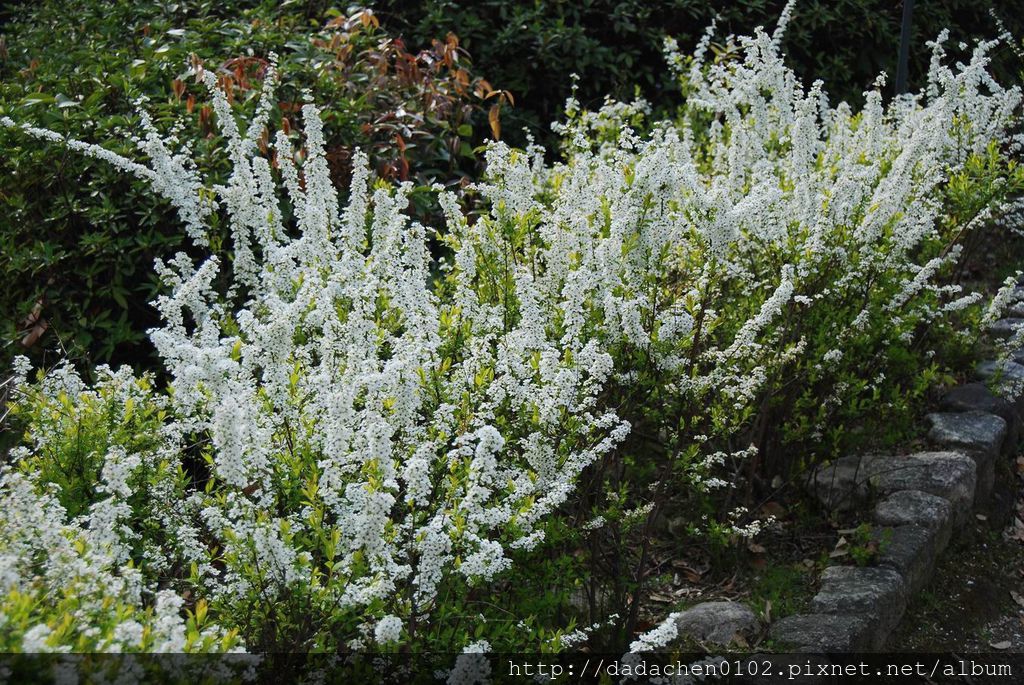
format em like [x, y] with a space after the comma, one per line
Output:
[37, 99]
[119, 297]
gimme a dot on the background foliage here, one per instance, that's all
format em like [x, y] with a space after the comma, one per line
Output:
[78, 239]
[533, 47]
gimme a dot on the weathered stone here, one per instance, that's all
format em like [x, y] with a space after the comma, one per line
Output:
[950, 475]
[1007, 378]
[1015, 311]
[977, 397]
[878, 594]
[717, 622]
[999, 368]
[916, 508]
[979, 434]
[842, 484]
[975, 432]
[823, 633]
[1005, 328]
[910, 550]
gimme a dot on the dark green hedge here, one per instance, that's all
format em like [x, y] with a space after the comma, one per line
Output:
[532, 46]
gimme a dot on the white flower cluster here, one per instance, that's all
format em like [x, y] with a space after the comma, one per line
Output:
[657, 637]
[472, 666]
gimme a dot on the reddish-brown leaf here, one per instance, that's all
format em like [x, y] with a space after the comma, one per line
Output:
[494, 119]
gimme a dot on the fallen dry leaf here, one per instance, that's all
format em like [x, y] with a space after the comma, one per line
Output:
[35, 333]
[842, 548]
[692, 572]
[1005, 644]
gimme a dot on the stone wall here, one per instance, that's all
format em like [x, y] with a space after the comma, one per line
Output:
[915, 503]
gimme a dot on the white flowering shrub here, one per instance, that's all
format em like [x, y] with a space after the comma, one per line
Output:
[366, 438]
[810, 278]
[359, 439]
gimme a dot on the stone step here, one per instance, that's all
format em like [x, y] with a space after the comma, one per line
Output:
[910, 550]
[718, 623]
[917, 508]
[925, 496]
[1015, 311]
[978, 397]
[877, 594]
[1006, 378]
[1004, 329]
[823, 633]
[978, 434]
[850, 481]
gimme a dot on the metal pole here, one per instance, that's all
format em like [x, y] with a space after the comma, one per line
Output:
[902, 65]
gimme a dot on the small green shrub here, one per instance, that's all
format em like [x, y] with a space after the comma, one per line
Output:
[867, 543]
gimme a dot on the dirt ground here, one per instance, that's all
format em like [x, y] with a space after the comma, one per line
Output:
[975, 601]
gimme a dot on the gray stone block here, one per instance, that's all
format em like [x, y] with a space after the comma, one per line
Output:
[875, 593]
[843, 484]
[1015, 311]
[916, 508]
[1005, 328]
[978, 397]
[976, 433]
[1007, 379]
[910, 550]
[999, 368]
[717, 622]
[950, 475]
[823, 633]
